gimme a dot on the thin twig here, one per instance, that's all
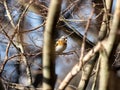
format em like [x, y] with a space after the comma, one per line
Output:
[6, 58]
[19, 43]
[26, 31]
[96, 75]
[9, 38]
[9, 14]
[84, 38]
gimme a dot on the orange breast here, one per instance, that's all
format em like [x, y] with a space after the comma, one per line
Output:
[61, 42]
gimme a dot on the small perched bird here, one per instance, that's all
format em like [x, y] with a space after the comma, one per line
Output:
[61, 44]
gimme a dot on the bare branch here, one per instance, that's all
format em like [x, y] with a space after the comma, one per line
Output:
[108, 47]
[9, 14]
[48, 48]
[77, 67]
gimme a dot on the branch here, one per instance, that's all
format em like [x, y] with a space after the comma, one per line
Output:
[19, 43]
[109, 45]
[48, 48]
[77, 67]
[1, 85]
[106, 19]
[9, 14]
[87, 70]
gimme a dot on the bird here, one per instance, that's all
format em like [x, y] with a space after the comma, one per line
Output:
[61, 44]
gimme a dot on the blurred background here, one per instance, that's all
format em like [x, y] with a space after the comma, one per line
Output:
[75, 13]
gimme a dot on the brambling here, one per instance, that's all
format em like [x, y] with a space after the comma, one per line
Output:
[61, 44]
